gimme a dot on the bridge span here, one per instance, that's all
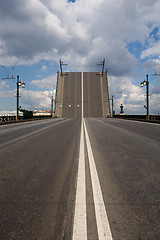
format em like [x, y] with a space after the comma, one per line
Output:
[69, 95]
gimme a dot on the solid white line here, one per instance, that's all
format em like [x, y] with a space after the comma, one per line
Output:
[104, 232]
[80, 217]
[82, 93]
[80, 221]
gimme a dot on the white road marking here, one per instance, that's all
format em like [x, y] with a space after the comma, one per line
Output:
[104, 232]
[80, 218]
[82, 93]
[31, 133]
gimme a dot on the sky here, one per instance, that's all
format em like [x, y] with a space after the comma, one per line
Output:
[35, 34]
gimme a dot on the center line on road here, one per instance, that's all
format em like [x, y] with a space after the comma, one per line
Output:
[82, 93]
[80, 218]
[104, 232]
[80, 215]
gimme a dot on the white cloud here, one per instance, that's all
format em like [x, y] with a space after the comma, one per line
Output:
[4, 85]
[155, 103]
[152, 51]
[45, 83]
[156, 89]
[7, 94]
[29, 99]
[127, 93]
[36, 99]
[81, 32]
[44, 68]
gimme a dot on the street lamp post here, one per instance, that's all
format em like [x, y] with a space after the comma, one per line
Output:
[102, 63]
[146, 83]
[112, 106]
[18, 85]
[52, 110]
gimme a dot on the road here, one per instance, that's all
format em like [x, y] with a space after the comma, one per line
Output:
[12, 132]
[71, 105]
[38, 175]
[48, 176]
[69, 95]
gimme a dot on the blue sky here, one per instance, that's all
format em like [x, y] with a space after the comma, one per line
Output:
[35, 34]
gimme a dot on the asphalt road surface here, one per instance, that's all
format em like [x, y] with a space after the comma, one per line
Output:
[69, 95]
[71, 105]
[12, 132]
[79, 179]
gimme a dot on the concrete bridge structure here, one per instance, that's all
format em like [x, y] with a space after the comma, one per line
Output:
[75, 87]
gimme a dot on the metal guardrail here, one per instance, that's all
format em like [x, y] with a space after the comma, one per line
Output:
[152, 118]
[24, 120]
